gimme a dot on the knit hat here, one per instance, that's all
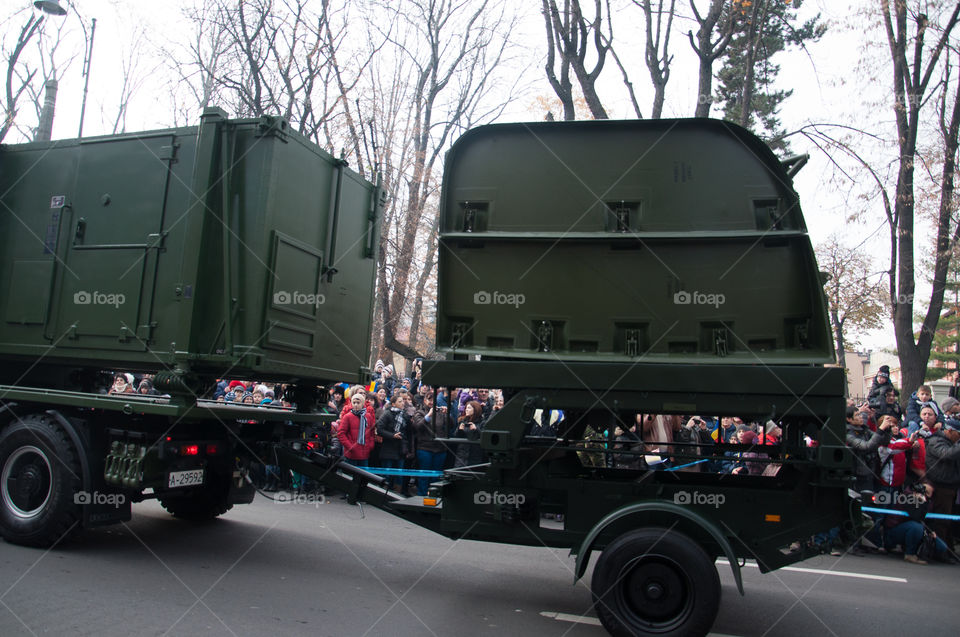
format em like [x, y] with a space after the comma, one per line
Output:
[748, 437]
[948, 403]
[884, 371]
[770, 427]
[379, 365]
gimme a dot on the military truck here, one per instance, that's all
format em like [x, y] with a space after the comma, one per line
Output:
[597, 270]
[234, 248]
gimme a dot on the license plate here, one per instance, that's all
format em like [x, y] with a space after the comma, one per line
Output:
[185, 478]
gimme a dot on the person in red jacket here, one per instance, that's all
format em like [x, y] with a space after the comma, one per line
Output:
[356, 432]
[893, 456]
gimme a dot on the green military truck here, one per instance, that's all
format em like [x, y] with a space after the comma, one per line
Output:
[591, 269]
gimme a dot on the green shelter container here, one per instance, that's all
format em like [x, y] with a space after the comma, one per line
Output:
[654, 240]
[236, 248]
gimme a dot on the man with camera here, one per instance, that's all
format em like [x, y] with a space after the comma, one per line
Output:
[431, 422]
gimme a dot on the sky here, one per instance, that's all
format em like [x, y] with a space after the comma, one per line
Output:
[831, 84]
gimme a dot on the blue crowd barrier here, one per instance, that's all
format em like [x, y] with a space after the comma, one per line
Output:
[928, 516]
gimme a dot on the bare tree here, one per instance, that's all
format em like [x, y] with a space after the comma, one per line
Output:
[708, 49]
[854, 290]
[569, 35]
[915, 62]
[658, 61]
[445, 78]
[17, 80]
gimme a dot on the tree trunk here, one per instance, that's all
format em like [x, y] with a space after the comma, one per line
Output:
[707, 52]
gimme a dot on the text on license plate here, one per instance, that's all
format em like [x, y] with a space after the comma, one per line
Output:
[185, 478]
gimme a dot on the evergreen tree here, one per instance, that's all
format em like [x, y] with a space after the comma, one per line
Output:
[746, 79]
[946, 340]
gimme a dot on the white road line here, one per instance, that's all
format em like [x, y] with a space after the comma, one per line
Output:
[576, 619]
[593, 621]
[823, 571]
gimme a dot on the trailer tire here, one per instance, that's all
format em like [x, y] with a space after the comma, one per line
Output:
[199, 505]
[653, 581]
[40, 477]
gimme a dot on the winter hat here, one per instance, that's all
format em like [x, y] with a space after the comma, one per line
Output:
[770, 427]
[236, 383]
[379, 365]
[262, 389]
[948, 403]
[748, 437]
[884, 371]
[129, 378]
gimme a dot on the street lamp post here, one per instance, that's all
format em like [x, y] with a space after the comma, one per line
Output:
[53, 7]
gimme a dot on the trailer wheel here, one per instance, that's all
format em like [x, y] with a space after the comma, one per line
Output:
[39, 478]
[653, 581]
[199, 505]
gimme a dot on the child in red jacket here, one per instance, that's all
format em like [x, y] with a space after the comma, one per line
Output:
[356, 432]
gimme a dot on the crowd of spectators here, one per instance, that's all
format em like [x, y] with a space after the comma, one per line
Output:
[907, 463]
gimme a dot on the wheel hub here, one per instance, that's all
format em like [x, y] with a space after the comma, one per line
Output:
[26, 482]
[655, 591]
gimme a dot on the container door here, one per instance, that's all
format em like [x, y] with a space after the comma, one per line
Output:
[112, 242]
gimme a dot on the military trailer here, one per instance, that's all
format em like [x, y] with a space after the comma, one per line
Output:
[236, 248]
[607, 269]
[593, 270]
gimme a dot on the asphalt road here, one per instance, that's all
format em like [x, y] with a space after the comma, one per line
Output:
[319, 569]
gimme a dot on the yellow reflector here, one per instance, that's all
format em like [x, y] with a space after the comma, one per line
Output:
[429, 502]
[772, 517]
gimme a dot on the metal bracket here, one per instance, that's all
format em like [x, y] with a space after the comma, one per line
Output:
[544, 336]
[720, 341]
[632, 345]
[458, 333]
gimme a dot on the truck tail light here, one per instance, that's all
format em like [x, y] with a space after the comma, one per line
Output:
[190, 450]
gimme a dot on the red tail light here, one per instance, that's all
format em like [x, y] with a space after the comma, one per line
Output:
[190, 450]
[212, 449]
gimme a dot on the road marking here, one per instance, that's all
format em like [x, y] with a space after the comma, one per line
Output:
[823, 571]
[593, 621]
[576, 619]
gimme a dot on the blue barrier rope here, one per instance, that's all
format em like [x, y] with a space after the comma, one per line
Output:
[928, 516]
[417, 473]
[689, 464]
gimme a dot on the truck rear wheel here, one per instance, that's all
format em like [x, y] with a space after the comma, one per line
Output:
[39, 478]
[201, 504]
[653, 581]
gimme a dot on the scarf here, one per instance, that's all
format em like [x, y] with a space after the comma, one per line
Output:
[362, 434]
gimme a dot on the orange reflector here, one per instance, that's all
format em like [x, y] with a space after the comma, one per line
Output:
[429, 502]
[772, 517]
